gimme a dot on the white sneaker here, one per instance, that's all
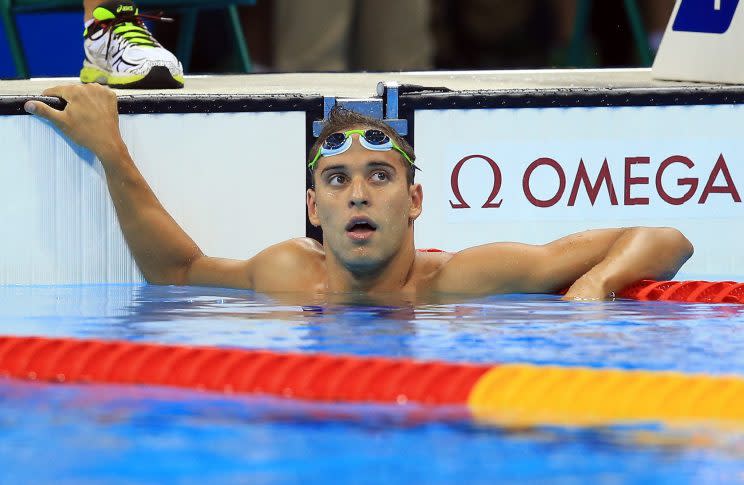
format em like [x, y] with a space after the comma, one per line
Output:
[121, 52]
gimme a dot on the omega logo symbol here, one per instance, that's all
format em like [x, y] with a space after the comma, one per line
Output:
[455, 182]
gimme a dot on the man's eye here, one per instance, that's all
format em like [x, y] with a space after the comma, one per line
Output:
[380, 176]
[337, 179]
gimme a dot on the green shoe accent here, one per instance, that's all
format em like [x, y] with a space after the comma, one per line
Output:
[101, 14]
[159, 77]
[93, 75]
[104, 12]
[124, 81]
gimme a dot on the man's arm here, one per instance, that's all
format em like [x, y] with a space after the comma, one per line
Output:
[639, 253]
[163, 251]
[592, 263]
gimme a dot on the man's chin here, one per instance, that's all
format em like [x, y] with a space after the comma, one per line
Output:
[362, 261]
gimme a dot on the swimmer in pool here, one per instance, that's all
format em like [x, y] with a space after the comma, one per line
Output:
[366, 201]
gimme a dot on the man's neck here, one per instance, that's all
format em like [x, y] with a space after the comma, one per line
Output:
[391, 276]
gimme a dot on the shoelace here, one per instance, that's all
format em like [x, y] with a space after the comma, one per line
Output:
[138, 26]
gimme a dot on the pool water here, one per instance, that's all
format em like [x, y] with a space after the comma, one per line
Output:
[127, 434]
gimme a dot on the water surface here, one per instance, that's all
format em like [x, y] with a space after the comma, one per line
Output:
[126, 434]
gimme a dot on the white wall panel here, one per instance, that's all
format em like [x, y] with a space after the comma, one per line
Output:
[234, 181]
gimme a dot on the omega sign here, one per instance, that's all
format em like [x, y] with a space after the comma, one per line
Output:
[637, 186]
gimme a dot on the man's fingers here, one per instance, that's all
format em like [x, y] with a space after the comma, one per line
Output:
[45, 111]
[58, 91]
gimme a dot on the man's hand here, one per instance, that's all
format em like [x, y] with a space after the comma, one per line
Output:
[90, 119]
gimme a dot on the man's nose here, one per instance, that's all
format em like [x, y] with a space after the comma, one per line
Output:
[358, 196]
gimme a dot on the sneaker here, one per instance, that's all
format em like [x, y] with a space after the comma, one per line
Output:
[121, 52]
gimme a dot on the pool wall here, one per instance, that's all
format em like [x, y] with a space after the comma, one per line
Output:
[520, 156]
[214, 172]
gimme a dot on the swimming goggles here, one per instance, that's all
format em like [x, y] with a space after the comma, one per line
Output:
[372, 139]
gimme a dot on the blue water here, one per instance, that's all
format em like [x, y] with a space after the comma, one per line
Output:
[119, 434]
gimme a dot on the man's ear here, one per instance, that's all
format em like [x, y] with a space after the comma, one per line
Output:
[312, 208]
[416, 193]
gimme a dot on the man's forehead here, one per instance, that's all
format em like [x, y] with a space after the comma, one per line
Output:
[361, 127]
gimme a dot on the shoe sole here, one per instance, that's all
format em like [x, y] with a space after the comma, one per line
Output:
[159, 77]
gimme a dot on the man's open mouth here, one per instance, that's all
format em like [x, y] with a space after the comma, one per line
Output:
[360, 228]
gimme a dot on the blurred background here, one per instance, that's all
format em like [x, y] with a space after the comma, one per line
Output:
[359, 35]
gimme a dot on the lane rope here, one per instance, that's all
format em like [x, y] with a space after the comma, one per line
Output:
[687, 291]
[506, 394]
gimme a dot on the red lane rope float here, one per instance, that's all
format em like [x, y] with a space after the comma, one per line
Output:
[689, 291]
[303, 376]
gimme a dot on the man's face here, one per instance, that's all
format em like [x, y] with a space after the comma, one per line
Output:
[364, 205]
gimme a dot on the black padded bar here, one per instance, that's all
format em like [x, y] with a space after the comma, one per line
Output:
[138, 104]
[573, 97]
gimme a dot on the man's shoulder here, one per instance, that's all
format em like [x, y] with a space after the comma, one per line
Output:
[292, 265]
[298, 251]
[306, 244]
